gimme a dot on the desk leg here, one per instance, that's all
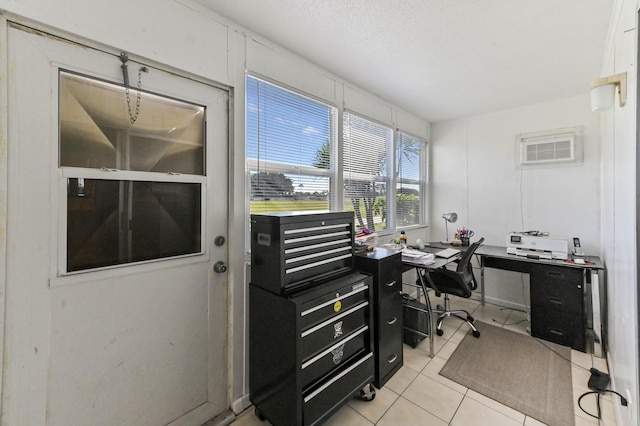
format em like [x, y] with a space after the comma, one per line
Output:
[482, 280]
[598, 347]
[429, 310]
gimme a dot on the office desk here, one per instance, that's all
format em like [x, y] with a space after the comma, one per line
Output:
[419, 267]
[565, 296]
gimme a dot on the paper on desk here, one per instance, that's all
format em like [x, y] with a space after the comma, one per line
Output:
[418, 257]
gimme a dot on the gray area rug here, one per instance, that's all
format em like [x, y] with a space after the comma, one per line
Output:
[517, 370]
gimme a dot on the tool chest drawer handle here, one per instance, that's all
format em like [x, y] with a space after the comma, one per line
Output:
[392, 359]
[391, 283]
[392, 321]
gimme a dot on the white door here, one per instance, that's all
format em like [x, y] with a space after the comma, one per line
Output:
[139, 342]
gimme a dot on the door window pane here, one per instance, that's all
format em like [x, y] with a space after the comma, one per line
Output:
[111, 222]
[96, 129]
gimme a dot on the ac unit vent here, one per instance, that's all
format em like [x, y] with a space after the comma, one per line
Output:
[547, 148]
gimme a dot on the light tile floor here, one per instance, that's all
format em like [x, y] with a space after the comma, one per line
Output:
[418, 395]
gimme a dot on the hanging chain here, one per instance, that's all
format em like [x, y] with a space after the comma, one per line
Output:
[125, 75]
[132, 117]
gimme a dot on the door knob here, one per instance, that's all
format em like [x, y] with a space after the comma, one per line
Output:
[220, 267]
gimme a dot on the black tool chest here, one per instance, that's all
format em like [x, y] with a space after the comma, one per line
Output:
[292, 251]
[310, 338]
[386, 269]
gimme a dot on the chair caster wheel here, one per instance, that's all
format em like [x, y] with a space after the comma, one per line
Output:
[476, 333]
[368, 393]
[439, 332]
[259, 414]
[470, 319]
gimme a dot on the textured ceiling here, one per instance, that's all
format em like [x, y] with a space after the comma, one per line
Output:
[441, 59]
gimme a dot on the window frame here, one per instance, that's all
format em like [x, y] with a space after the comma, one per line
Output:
[422, 181]
[336, 172]
[64, 173]
[389, 166]
[331, 173]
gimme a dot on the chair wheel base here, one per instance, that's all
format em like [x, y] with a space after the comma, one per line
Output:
[476, 333]
[439, 332]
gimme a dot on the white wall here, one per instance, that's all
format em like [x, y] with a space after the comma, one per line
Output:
[619, 216]
[180, 35]
[474, 172]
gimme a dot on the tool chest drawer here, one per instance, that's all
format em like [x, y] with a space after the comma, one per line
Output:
[319, 365]
[327, 396]
[335, 304]
[336, 328]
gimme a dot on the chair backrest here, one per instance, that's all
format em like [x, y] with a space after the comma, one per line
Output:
[464, 263]
[459, 282]
[465, 266]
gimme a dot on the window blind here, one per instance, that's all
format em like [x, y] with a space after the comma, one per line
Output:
[410, 179]
[290, 141]
[366, 145]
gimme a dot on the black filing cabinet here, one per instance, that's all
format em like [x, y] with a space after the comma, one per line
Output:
[385, 266]
[557, 305]
[309, 352]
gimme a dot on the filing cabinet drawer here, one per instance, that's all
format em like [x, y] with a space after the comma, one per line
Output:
[559, 293]
[386, 267]
[322, 399]
[557, 274]
[389, 318]
[389, 348]
[389, 287]
[317, 338]
[565, 328]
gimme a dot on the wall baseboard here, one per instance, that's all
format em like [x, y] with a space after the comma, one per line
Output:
[240, 404]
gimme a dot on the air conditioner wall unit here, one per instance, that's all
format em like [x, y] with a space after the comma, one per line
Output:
[548, 147]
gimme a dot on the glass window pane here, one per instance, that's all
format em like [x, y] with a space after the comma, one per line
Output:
[279, 192]
[290, 140]
[112, 222]
[368, 201]
[408, 204]
[411, 180]
[365, 148]
[96, 129]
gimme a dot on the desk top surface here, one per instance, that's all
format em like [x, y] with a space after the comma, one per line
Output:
[439, 261]
[592, 262]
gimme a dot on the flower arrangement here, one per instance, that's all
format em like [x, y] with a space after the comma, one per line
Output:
[463, 235]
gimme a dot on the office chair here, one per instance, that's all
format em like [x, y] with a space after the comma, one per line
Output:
[459, 282]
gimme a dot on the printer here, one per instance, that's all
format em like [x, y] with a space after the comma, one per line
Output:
[537, 246]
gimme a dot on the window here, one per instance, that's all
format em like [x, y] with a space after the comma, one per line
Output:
[290, 143]
[134, 191]
[292, 161]
[410, 180]
[366, 179]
